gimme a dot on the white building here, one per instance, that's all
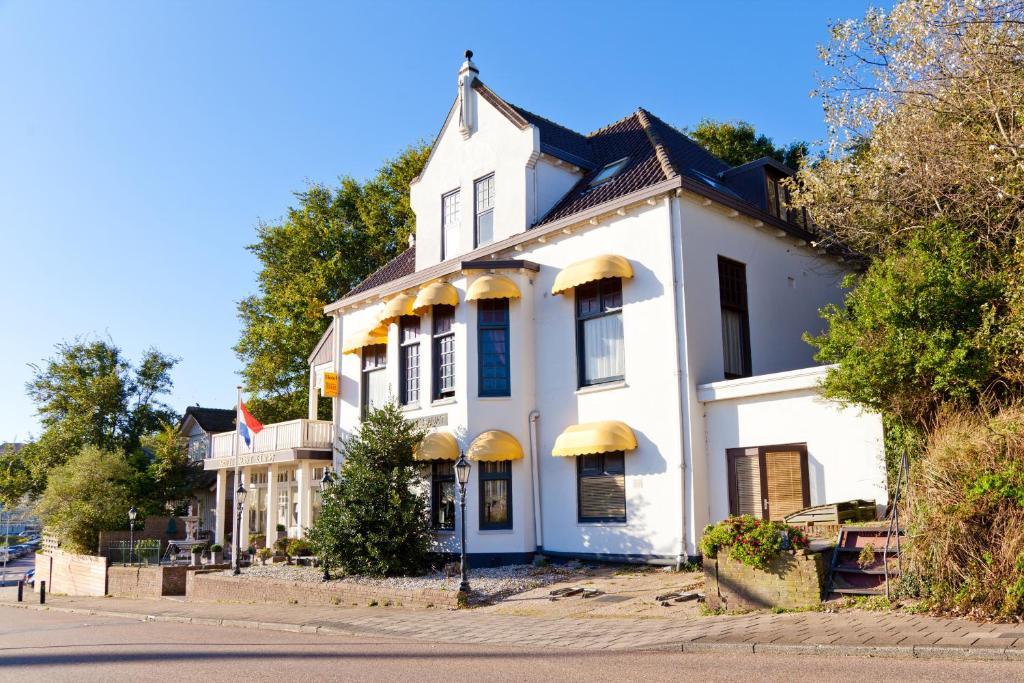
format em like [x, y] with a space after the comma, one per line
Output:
[610, 326]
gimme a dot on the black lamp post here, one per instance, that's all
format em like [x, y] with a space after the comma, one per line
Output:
[236, 539]
[325, 484]
[462, 475]
[132, 513]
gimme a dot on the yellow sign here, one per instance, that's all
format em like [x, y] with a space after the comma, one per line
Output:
[330, 384]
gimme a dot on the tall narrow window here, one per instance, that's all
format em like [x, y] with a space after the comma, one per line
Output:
[600, 353]
[732, 289]
[375, 377]
[483, 191]
[601, 487]
[496, 495]
[768, 482]
[442, 495]
[450, 225]
[444, 351]
[492, 347]
[409, 359]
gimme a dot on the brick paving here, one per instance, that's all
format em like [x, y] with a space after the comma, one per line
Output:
[845, 632]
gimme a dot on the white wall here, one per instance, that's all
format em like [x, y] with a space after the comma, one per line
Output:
[845, 449]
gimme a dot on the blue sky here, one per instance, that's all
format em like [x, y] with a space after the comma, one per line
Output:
[141, 142]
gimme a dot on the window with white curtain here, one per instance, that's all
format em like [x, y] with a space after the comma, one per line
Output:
[599, 335]
[450, 218]
[732, 287]
[375, 377]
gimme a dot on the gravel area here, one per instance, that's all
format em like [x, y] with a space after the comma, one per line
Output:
[488, 584]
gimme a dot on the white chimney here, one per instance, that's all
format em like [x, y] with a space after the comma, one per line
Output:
[467, 103]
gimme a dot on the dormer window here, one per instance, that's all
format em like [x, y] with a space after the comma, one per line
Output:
[483, 192]
[609, 172]
[449, 225]
[778, 202]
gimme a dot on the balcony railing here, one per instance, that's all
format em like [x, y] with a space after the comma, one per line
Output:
[298, 434]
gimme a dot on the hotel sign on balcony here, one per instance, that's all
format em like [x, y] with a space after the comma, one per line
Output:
[246, 459]
[330, 384]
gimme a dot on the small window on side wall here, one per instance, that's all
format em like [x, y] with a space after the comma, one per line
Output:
[732, 289]
[600, 352]
[601, 487]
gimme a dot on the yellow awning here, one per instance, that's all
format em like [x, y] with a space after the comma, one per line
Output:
[436, 294]
[395, 308]
[494, 446]
[376, 335]
[492, 287]
[595, 437]
[596, 268]
[437, 446]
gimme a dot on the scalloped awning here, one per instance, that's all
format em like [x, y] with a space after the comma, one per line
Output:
[596, 268]
[492, 287]
[371, 337]
[590, 438]
[494, 446]
[437, 446]
[396, 307]
[435, 294]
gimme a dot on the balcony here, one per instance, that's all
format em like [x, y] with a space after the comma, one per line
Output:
[279, 442]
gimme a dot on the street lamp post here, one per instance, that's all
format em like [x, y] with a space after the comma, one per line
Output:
[325, 484]
[462, 474]
[132, 513]
[236, 537]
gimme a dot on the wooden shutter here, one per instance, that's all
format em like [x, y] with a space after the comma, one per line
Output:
[786, 475]
[603, 497]
[745, 481]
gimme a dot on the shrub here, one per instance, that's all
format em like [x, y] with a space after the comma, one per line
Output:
[281, 545]
[264, 554]
[373, 519]
[216, 548]
[258, 540]
[866, 558]
[966, 514]
[281, 528]
[298, 547]
[754, 542]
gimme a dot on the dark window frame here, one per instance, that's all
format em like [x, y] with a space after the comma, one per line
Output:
[738, 305]
[477, 213]
[380, 364]
[730, 457]
[581, 318]
[444, 226]
[436, 482]
[581, 461]
[438, 339]
[406, 346]
[503, 326]
[505, 475]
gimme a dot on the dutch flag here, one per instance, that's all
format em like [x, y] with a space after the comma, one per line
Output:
[248, 426]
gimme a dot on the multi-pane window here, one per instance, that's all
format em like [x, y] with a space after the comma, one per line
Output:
[483, 191]
[450, 225]
[444, 351]
[600, 353]
[778, 202]
[768, 482]
[496, 495]
[375, 376]
[442, 495]
[492, 347]
[601, 487]
[732, 288]
[409, 358]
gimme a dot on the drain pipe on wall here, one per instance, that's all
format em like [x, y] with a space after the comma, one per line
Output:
[538, 523]
[680, 359]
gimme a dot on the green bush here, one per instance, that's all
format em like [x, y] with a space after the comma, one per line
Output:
[281, 545]
[298, 547]
[216, 548]
[754, 542]
[264, 554]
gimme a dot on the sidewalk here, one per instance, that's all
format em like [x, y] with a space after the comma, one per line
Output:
[845, 633]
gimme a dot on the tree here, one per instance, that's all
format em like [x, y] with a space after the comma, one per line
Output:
[328, 243]
[737, 143]
[170, 476]
[91, 491]
[373, 519]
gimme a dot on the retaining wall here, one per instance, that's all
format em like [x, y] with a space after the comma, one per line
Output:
[145, 582]
[791, 581]
[71, 574]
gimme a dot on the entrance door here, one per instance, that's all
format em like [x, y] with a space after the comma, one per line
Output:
[768, 482]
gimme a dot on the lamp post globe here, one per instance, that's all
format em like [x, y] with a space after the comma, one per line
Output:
[325, 484]
[236, 540]
[132, 514]
[462, 468]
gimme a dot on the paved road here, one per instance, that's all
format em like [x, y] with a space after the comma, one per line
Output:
[49, 646]
[16, 569]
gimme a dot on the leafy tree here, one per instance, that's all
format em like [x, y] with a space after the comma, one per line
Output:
[373, 519]
[170, 477]
[91, 491]
[737, 143]
[326, 245]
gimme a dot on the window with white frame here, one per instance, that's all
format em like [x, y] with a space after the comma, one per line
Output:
[409, 359]
[599, 344]
[444, 351]
[375, 377]
[450, 220]
[483, 219]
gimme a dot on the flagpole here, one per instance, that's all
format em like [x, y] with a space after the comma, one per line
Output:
[236, 535]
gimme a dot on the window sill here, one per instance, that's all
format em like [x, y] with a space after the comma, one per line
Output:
[443, 532]
[408, 408]
[601, 524]
[443, 402]
[494, 398]
[596, 388]
[488, 532]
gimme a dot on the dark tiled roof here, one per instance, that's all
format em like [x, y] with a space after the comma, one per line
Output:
[400, 266]
[559, 141]
[213, 420]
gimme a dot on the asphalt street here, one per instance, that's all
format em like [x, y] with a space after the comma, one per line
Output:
[48, 646]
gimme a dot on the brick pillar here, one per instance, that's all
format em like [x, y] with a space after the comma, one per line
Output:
[271, 506]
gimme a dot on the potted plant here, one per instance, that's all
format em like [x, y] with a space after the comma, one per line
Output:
[216, 553]
[197, 554]
[281, 528]
[264, 554]
[281, 548]
[297, 548]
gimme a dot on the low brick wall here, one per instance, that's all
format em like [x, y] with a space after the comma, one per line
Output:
[217, 587]
[791, 581]
[145, 582]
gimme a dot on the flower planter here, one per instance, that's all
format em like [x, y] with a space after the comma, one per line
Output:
[793, 580]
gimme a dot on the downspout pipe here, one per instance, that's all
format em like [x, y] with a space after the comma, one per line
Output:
[538, 522]
[680, 361]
